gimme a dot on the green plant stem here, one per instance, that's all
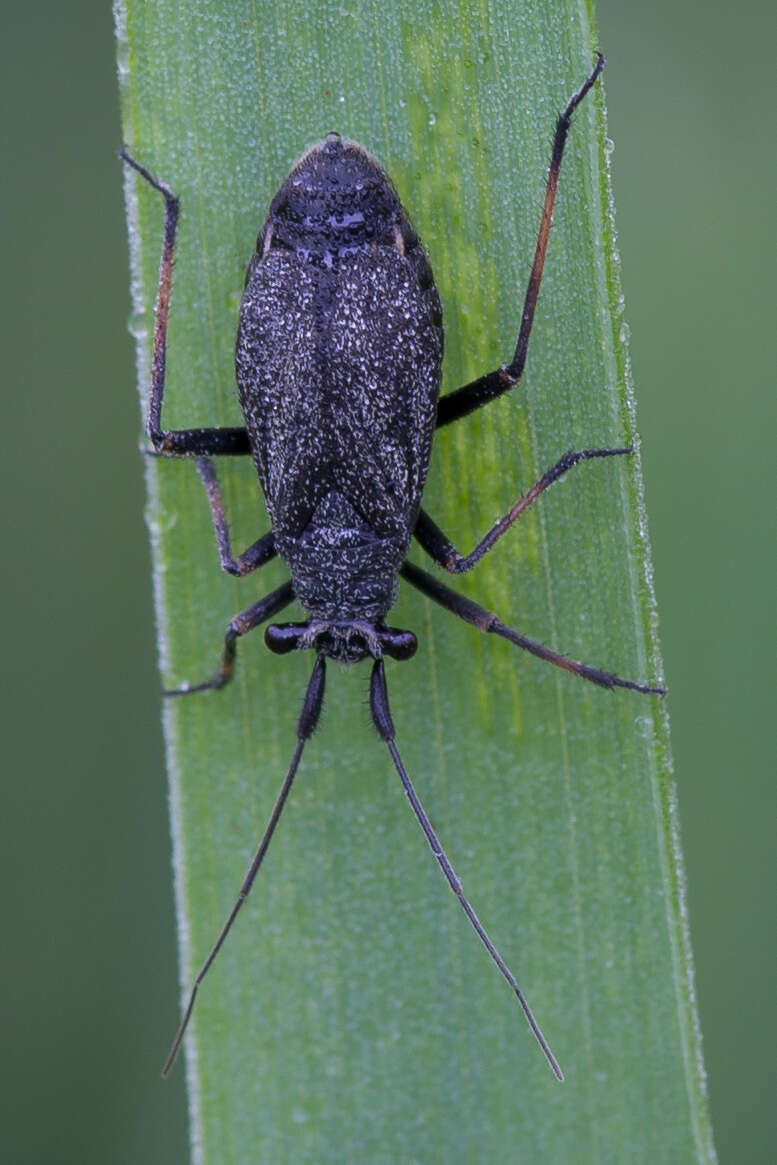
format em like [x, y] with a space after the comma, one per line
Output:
[353, 1016]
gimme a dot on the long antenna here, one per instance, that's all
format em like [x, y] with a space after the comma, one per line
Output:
[311, 710]
[381, 716]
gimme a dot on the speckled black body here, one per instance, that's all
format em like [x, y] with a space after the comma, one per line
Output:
[338, 362]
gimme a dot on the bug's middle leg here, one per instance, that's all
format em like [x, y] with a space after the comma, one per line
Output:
[442, 550]
[486, 388]
[257, 554]
[241, 624]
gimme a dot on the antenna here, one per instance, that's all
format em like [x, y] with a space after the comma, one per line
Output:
[308, 719]
[381, 716]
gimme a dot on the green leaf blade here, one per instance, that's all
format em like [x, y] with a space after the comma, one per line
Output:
[352, 1015]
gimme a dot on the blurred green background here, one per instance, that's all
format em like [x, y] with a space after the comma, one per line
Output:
[88, 978]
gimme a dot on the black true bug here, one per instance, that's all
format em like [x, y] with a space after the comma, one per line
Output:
[338, 360]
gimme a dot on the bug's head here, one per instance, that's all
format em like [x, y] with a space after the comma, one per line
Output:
[347, 642]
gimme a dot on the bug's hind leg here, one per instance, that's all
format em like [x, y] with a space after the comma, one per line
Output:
[487, 388]
[184, 442]
[485, 620]
[241, 624]
[442, 550]
[256, 555]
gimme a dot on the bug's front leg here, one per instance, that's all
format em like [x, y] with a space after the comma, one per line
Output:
[487, 388]
[241, 624]
[487, 621]
[182, 442]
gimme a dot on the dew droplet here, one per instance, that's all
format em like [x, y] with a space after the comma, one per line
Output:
[644, 726]
[122, 58]
[137, 324]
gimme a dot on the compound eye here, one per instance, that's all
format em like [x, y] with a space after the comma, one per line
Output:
[284, 637]
[397, 644]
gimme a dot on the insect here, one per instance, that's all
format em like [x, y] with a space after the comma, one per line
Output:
[338, 361]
